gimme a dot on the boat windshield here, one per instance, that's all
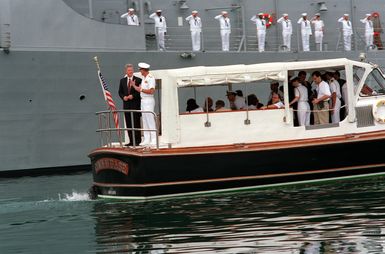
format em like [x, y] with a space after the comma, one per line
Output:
[358, 72]
[374, 84]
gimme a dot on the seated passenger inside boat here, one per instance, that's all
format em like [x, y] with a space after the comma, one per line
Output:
[192, 106]
[253, 102]
[276, 102]
[274, 87]
[220, 106]
[236, 102]
[209, 102]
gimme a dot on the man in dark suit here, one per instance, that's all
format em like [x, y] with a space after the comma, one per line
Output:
[131, 100]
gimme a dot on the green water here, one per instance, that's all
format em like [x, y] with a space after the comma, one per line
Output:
[54, 215]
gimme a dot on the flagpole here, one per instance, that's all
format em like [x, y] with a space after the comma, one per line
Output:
[97, 62]
[113, 112]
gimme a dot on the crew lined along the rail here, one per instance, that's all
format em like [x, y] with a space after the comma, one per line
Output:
[262, 22]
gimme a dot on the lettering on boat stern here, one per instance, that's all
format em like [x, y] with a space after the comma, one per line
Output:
[111, 164]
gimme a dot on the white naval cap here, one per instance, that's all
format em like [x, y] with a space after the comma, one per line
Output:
[318, 14]
[193, 12]
[368, 15]
[304, 14]
[285, 15]
[131, 9]
[346, 15]
[224, 12]
[158, 10]
[260, 14]
[143, 66]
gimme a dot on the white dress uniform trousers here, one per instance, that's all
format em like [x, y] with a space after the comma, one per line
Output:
[305, 32]
[287, 31]
[303, 108]
[318, 32]
[196, 29]
[160, 29]
[347, 32]
[261, 32]
[335, 88]
[225, 31]
[148, 104]
[369, 31]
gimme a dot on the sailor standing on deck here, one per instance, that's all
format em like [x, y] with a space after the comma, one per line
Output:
[132, 19]
[369, 30]
[305, 31]
[160, 28]
[287, 30]
[196, 29]
[347, 31]
[260, 23]
[147, 90]
[225, 30]
[318, 30]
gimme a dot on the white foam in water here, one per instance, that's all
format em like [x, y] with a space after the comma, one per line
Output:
[74, 196]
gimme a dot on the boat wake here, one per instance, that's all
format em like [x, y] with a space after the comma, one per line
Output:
[74, 196]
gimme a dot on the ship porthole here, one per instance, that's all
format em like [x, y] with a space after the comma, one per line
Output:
[82, 97]
[379, 111]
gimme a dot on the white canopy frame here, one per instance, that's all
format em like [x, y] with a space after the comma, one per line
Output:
[172, 79]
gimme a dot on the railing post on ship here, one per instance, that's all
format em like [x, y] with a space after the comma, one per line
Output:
[133, 129]
[243, 28]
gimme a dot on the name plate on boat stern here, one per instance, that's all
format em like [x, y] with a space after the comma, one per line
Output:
[111, 164]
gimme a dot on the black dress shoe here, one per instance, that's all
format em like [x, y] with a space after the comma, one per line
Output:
[129, 144]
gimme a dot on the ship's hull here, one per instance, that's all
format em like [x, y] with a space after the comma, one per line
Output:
[124, 173]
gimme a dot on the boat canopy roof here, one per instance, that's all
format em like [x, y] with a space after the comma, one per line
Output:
[241, 73]
[172, 79]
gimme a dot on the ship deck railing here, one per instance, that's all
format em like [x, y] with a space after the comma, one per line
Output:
[112, 135]
[179, 39]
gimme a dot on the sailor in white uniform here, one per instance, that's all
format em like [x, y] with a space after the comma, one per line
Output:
[318, 30]
[160, 28]
[369, 30]
[147, 90]
[302, 98]
[132, 19]
[260, 24]
[287, 30]
[347, 31]
[225, 25]
[305, 31]
[335, 106]
[196, 29]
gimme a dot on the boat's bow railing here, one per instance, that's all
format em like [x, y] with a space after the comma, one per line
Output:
[112, 127]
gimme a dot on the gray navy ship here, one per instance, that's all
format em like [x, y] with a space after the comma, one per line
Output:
[49, 86]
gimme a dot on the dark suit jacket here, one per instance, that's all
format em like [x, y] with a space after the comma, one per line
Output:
[124, 91]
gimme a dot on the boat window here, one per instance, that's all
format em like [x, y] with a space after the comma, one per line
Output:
[374, 84]
[259, 91]
[358, 72]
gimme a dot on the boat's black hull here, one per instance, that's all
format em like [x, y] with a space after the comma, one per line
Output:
[150, 175]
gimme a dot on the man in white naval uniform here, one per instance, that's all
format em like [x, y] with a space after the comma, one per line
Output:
[335, 98]
[132, 19]
[260, 24]
[305, 31]
[369, 30]
[318, 30]
[347, 31]
[302, 98]
[160, 28]
[196, 29]
[225, 25]
[287, 30]
[147, 90]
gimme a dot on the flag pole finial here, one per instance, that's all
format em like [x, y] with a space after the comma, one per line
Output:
[97, 62]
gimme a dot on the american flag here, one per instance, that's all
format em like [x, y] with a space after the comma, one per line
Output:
[108, 98]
